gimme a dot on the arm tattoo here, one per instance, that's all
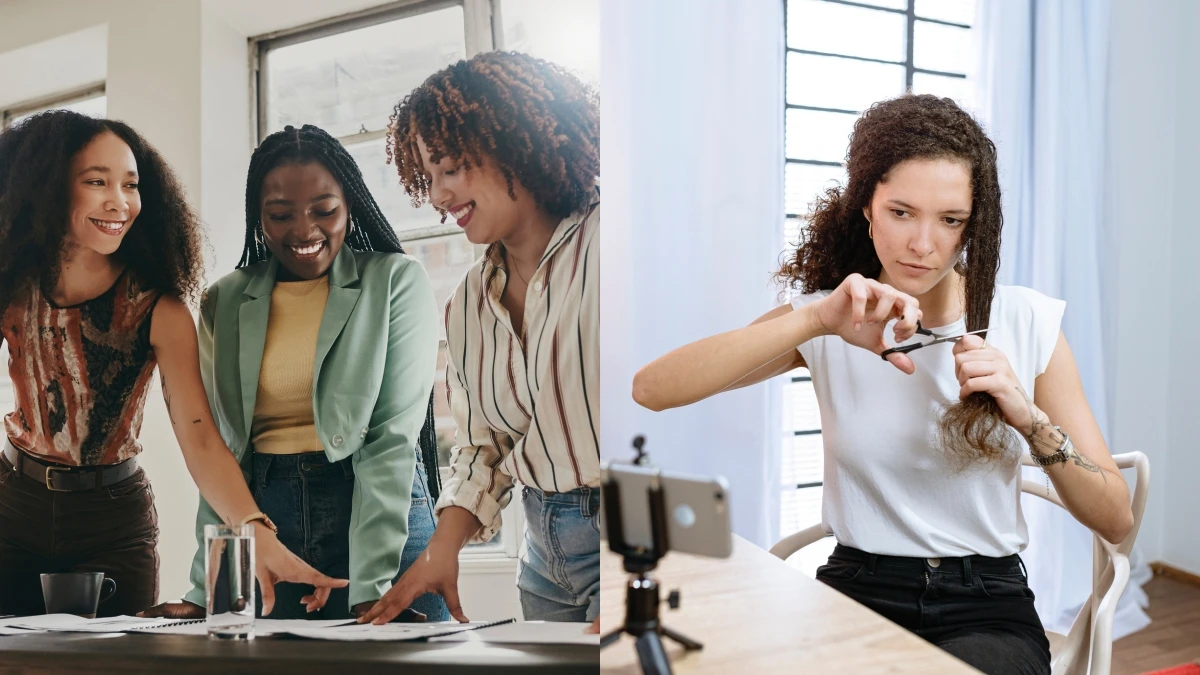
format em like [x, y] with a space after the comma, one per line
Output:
[1086, 463]
[167, 398]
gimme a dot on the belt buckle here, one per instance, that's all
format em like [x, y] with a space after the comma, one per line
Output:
[49, 474]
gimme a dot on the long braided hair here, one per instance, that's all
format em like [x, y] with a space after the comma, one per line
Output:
[370, 232]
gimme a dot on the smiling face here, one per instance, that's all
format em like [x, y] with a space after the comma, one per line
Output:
[104, 195]
[917, 215]
[476, 197]
[304, 218]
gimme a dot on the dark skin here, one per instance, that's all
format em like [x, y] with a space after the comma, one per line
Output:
[305, 218]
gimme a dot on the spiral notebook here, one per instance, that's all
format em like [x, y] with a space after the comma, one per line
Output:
[339, 630]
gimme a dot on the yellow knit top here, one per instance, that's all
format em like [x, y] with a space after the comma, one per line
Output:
[283, 412]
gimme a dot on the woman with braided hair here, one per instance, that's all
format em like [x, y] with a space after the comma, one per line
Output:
[923, 449]
[318, 354]
[509, 145]
[99, 258]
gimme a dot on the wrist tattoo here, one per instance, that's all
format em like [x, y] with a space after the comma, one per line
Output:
[1038, 423]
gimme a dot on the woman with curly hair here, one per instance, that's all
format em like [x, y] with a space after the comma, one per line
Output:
[99, 256]
[922, 451]
[319, 354]
[509, 145]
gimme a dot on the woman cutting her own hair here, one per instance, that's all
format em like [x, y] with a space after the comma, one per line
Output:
[923, 449]
[318, 354]
[99, 254]
[509, 146]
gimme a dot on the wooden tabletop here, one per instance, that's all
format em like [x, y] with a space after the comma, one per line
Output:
[188, 655]
[755, 613]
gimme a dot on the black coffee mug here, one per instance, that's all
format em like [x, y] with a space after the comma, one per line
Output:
[78, 593]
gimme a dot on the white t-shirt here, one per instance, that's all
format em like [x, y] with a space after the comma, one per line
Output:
[889, 489]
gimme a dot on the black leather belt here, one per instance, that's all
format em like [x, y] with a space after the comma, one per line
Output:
[62, 478]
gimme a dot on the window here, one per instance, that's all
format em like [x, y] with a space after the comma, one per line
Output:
[90, 100]
[841, 57]
[347, 74]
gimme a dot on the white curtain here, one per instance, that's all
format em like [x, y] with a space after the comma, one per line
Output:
[1042, 86]
[692, 191]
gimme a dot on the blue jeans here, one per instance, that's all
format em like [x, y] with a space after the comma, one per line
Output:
[559, 575]
[310, 499]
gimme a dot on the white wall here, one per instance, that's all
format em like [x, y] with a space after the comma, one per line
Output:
[1153, 109]
[178, 72]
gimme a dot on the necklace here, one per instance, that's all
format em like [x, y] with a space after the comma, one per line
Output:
[517, 267]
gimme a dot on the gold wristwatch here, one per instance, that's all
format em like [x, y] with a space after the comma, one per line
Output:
[259, 515]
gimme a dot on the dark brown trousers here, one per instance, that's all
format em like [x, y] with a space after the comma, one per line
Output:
[112, 529]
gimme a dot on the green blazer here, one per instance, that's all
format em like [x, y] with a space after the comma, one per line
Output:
[373, 371]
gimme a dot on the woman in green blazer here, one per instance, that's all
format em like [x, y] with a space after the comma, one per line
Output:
[318, 355]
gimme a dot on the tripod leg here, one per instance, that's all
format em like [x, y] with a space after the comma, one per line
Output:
[611, 637]
[688, 643]
[652, 655]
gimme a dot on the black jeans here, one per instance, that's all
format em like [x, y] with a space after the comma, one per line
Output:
[979, 609]
[111, 529]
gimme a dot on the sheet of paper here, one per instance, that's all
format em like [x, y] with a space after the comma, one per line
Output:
[69, 623]
[392, 632]
[528, 633]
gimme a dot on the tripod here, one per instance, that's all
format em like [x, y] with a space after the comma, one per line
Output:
[642, 593]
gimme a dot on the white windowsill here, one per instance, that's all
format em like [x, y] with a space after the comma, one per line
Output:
[481, 564]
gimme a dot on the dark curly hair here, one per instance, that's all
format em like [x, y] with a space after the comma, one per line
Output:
[372, 232]
[162, 248]
[538, 121]
[837, 244]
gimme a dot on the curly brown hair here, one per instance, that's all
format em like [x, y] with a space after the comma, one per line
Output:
[836, 242]
[162, 248]
[539, 122]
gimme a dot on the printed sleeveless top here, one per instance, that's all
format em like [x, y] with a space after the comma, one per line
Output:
[80, 374]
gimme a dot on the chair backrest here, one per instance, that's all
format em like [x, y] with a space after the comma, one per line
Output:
[1090, 637]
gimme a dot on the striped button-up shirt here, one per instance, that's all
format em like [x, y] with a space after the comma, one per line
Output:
[528, 413]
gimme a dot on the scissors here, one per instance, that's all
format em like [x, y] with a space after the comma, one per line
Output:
[937, 339]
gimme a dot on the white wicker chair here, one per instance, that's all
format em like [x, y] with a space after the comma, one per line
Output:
[1090, 636]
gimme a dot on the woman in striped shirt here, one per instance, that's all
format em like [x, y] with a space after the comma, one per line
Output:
[509, 145]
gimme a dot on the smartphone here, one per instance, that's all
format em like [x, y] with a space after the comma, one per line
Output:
[697, 509]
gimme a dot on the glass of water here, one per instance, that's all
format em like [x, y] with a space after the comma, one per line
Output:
[229, 586]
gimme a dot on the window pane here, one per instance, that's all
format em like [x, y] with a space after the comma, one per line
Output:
[830, 82]
[792, 228]
[958, 88]
[810, 134]
[943, 48]
[800, 412]
[954, 11]
[95, 107]
[384, 183]
[890, 4]
[561, 32]
[828, 27]
[345, 82]
[447, 259]
[803, 460]
[803, 182]
[800, 509]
